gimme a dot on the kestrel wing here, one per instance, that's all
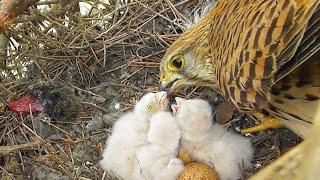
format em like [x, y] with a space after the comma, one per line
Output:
[251, 41]
[309, 45]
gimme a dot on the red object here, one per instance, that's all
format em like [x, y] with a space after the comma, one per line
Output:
[24, 104]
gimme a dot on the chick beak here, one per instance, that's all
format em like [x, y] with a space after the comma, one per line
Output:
[178, 100]
[175, 109]
[26, 104]
[163, 101]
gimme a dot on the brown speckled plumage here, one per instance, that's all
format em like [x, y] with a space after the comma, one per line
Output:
[258, 54]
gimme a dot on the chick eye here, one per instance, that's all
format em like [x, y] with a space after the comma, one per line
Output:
[177, 63]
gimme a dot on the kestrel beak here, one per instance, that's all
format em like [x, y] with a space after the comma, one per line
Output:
[167, 85]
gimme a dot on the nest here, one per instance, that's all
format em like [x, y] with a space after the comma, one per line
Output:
[109, 53]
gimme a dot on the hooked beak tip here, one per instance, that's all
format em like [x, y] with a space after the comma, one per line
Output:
[162, 88]
[166, 86]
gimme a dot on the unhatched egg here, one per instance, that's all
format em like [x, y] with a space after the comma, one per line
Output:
[198, 171]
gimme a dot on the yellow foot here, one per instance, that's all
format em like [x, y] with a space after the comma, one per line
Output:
[266, 123]
[184, 156]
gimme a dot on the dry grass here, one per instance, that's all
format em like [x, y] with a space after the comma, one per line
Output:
[110, 57]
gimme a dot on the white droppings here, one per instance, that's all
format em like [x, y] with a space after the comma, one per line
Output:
[88, 163]
[117, 106]
[257, 166]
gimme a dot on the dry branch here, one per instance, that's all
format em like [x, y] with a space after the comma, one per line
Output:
[6, 150]
[12, 8]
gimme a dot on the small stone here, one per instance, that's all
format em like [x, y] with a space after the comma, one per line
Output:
[150, 80]
[99, 99]
[95, 124]
[109, 119]
[43, 128]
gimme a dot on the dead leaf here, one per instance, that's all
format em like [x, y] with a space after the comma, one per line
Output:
[224, 112]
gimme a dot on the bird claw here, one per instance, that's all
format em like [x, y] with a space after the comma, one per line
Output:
[266, 123]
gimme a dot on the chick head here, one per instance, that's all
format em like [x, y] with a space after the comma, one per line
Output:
[194, 116]
[164, 130]
[152, 103]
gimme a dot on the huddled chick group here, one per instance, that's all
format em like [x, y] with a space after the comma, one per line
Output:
[144, 143]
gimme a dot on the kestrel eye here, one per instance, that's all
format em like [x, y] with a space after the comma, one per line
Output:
[177, 63]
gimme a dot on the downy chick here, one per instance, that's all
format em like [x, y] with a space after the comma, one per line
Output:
[158, 159]
[129, 133]
[211, 143]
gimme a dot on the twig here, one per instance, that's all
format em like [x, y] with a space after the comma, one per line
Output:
[6, 150]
